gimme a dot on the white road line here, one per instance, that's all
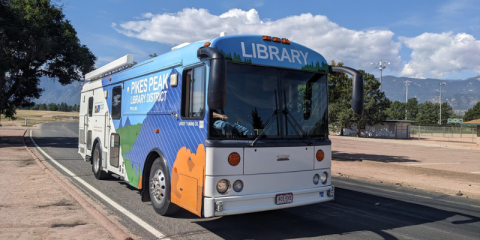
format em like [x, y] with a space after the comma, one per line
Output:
[418, 164]
[476, 172]
[127, 213]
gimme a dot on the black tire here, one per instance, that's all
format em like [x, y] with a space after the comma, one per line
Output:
[97, 163]
[159, 188]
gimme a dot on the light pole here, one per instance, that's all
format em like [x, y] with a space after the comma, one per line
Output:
[380, 65]
[440, 118]
[406, 97]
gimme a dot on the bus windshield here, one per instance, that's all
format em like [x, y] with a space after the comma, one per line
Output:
[273, 102]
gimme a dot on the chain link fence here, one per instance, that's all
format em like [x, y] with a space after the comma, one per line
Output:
[457, 134]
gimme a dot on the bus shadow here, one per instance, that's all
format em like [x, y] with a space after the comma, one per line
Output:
[351, 212]
[343, 156]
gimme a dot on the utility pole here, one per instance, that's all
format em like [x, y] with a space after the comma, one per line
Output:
[380, 65]
[406, 97]
[440, 118]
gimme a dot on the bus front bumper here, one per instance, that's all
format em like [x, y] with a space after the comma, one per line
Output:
[222, 206]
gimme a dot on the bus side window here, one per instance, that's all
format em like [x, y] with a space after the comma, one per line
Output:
[116, 102]
[90, 106]
[193, 101]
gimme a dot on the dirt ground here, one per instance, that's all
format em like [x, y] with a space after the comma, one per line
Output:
[440, 169]
[35, 117]
[32, 205]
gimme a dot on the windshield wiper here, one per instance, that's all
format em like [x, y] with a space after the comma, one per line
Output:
[269, 121]
[294, 122]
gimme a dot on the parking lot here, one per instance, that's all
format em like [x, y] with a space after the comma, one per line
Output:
[442, 169]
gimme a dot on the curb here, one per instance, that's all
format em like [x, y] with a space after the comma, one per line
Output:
[403, 142]
[104, 221]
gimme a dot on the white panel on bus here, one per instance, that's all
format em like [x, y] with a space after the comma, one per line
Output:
[327, 161]
[217, 162]
[278, 159]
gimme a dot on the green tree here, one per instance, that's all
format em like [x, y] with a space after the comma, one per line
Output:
[412, 108]
[396, 111]
[428, 113]
[36, 40]
[52, 107]
[43, 106]
[376, 103]
[472, 113]
[340, 113]
[447, 112]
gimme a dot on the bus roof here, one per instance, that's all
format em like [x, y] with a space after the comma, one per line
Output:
[247, 49]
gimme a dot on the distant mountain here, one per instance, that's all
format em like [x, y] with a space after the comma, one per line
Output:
[56, 93]
[460, 94]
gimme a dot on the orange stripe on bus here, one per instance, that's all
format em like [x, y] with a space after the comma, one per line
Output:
[140, 185]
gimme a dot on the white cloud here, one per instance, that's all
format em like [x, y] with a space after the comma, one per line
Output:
[355, 48]
[440, 54]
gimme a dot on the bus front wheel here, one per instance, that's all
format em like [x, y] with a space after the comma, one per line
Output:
[159, 188]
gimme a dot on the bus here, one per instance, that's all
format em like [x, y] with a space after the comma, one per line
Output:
[230, 125]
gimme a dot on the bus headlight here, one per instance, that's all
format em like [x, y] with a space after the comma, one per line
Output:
[324, 177]
[223, 186]
[316, 178]
[238, 186]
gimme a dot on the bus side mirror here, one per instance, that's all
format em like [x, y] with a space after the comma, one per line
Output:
[217, 83]
[357, 91]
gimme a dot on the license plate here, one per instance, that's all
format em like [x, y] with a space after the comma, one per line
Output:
[284, 198]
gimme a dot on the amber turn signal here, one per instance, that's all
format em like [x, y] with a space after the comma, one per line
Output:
[285, 41]
[267, 38]
[157, 130]
[320, 155]
[206, 44]
[234, 159]
[275, 39]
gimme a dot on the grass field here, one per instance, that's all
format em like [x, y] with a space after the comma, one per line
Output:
[35, 117]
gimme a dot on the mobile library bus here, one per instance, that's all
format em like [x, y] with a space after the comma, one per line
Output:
[230, 125]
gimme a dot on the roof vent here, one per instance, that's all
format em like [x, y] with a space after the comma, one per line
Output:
[223, 34]
[180, 46]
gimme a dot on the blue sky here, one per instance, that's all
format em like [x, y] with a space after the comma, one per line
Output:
[438, 39]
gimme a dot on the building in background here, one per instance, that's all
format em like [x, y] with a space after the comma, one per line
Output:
[398, 129]
[476, 123]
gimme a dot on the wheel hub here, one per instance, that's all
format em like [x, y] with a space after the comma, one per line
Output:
[96, 161]
[157, 186]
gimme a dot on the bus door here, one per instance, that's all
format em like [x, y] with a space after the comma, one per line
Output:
[106, 130]
[89, 123]
[188, 173]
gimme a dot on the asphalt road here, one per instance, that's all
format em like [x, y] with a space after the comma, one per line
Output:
[361, 210]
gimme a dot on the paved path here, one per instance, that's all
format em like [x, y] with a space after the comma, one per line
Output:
[360, 211]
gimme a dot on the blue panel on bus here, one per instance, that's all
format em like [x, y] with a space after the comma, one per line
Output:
[148, 103]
